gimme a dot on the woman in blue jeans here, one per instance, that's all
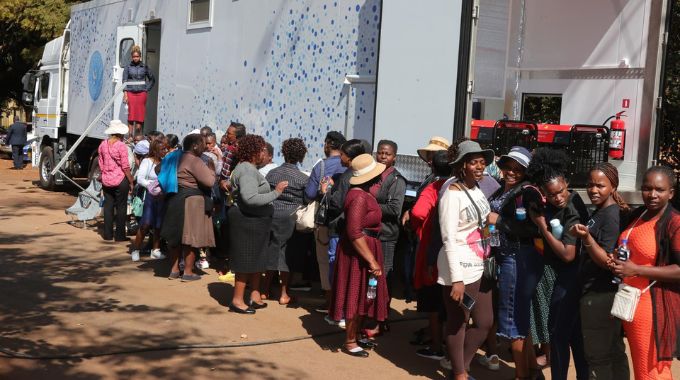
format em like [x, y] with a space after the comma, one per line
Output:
[520, 265]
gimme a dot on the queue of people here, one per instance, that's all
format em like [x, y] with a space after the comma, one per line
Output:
[519, 257]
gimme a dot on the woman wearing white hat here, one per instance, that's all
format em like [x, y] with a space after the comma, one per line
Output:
[116, 179]
[359, 257]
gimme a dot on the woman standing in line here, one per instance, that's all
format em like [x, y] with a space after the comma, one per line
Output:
[250, 223]
[463, 210]
[654, 242]
[283, 222]
[152, 214]
[521, 267]
[135, 95]
[116, 178]
[187, 225]
[359, 258]
[603, 344]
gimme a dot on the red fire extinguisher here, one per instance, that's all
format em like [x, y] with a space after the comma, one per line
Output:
[617, 137]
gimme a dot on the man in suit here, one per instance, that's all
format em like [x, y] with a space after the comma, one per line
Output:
[16, 137]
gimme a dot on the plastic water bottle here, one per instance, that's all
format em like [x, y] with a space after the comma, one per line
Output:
[622, 253]
[372, 287]
[556, 229]
[494, 238]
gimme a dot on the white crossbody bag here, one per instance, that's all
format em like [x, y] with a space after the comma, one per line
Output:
[627, 297]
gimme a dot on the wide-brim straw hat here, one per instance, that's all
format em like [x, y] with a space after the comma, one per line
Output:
[116, 127]
[364, 168]
[436, 143]
[468, 147]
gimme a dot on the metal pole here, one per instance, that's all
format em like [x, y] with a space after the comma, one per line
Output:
[118, 90]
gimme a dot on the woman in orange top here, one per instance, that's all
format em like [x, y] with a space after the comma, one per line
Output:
[654, 243]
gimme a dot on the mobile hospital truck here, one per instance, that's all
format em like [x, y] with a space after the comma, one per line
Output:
[396, 69]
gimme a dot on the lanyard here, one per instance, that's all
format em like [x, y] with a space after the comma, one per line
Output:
[635, 225]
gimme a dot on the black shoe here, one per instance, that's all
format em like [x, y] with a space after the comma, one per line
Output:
[257, 306]
[235, 309]
[367, 344]
[323, 309]
[358, 354]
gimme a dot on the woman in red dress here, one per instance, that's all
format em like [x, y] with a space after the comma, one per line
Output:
[359, 256]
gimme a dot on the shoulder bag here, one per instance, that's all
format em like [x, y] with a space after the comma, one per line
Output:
[305, 216]
[627, 297]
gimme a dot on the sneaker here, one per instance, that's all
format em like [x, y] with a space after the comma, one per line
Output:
[202, 263]
[445, 363]
[135, 255]
[491, 362]
[429, 353]
[156, 254]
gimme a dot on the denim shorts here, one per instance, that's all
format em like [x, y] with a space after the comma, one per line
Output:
[520, 269]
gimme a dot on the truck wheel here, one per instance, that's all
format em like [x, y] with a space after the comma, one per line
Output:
[45, 167]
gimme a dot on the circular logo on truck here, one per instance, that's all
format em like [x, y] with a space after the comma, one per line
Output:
[95, 75]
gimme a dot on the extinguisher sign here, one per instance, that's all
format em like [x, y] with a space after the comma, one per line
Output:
[625, 103]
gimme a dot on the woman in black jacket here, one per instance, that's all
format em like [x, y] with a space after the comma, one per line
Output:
[135, 96]
[520, 265]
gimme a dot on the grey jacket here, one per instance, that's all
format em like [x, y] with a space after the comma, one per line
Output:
[137, 73]
[17, 134]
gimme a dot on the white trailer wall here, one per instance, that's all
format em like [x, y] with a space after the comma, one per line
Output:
[277, 66]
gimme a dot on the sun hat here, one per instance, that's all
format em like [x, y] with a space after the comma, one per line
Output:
[364, 168]
[436, 143]
[517, 153]
[471, 147]
[142, 148]
[116, 127]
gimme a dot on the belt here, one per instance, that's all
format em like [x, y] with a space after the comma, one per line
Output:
[371, 233]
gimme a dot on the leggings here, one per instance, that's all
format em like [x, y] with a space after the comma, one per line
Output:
[462, 343]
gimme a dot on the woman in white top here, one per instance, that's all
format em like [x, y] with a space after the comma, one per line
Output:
[152, 215]
[463, 210]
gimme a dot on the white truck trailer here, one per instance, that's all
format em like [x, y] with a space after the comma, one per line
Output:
[372, 69]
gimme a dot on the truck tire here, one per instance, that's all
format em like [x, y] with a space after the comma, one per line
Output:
[45, 168]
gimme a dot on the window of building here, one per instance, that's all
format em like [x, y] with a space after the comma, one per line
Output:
[542, 108]
[200, 14]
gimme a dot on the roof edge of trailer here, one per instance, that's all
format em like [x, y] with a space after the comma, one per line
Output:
[94, 4]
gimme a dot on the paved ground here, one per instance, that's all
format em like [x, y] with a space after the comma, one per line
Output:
[66, 292]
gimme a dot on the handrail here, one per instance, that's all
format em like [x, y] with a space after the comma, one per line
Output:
[117, 91]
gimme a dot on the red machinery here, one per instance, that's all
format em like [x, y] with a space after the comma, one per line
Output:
[617, 140]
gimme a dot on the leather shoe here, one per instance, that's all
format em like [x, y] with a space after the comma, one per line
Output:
[366, 344]
[257, 306]
[235, 309]
[358, 354]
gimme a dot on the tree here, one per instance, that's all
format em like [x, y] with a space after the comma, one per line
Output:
[25, 27]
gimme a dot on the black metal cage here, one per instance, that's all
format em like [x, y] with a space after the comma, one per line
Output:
[588, 146]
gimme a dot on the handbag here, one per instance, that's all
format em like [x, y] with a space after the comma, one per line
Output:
[626, 301]
[321, 211]
[627, 297]
[305, 216]
[490, 266]
[137, 206]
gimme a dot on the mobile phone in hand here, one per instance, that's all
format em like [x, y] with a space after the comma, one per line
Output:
[468, 302]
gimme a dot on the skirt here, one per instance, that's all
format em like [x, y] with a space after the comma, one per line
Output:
[540, 306]
[248, 241]
[136, 106]
[154, 209]
[282, 231]
[198, 227]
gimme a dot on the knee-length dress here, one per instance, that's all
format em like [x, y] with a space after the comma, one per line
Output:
[640, 332]
[350, 282]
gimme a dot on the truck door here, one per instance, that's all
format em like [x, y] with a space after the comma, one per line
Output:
[418, 71]
[126, 37]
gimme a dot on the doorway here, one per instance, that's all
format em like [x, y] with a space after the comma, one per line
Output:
[152, 54]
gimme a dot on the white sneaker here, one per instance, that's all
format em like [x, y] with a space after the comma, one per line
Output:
[156, 254]
[445, 363]
[491, 362]
[135, 255]
[202, 264]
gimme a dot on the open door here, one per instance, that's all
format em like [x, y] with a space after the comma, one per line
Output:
[418, 71]
[126, 37]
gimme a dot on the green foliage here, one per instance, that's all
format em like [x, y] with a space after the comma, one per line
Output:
[25, 27]
[669, 128]
[542, 108]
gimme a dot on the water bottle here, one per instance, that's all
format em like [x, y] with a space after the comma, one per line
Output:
[521, 213]
[622, 253]
[556, 229]
[372, 285]
[494, 238]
